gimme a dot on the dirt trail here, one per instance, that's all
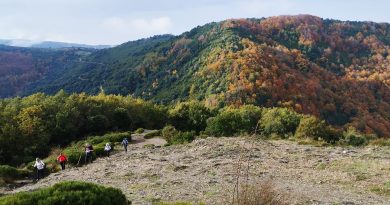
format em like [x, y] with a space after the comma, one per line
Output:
[138, 140]
[204, 171]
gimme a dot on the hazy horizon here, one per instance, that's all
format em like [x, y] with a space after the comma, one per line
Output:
[99, 22]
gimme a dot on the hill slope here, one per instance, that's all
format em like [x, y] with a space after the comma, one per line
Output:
[336, 70]
[205, 170]
[21, 66]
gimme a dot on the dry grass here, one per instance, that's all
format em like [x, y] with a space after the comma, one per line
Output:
[264, 193]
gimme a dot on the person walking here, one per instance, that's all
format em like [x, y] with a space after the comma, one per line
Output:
[40, 166]
[88, 153]
[125, 143]
[107, 149]
[62, 160]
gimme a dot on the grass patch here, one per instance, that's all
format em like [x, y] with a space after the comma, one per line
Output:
[383, 189]
[322, 166]
[360, 169]
[380, 142]
[316, 143]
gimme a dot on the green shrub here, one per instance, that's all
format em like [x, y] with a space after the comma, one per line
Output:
[232, 121]
[168, 132]
[110, 137]
[354, 138]
[140, 130]
[74, 153]
[280, 121]
[191, 115]
[174, 136]
[152, 134]
[182, 137]
[12, 173]
[313, 128]
[68, 193]
[98, 150]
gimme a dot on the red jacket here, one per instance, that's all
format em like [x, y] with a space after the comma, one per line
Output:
[62, 158]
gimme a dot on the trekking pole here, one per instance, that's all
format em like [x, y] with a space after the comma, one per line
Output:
[81, 153]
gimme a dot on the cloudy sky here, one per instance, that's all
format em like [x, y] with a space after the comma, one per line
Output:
[117, 21]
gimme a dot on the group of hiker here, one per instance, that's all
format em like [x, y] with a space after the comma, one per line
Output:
[62, 159]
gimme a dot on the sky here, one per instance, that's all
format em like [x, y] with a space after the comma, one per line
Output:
[112, 22]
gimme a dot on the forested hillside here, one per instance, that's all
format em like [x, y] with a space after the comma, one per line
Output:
[21, 66]
[336, 70]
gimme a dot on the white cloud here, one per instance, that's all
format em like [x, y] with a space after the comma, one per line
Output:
[115, 23]
[162, 24]
[138, 26]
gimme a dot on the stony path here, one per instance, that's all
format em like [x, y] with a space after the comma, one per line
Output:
[138, 140]
[205, 171]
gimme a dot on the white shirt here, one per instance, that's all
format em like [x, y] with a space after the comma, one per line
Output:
[107, 148]
[39, 165]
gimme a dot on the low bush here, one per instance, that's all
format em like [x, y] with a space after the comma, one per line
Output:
[280, 121]
[8, 173]
[68, 193]
[260, 194]
[139, 130]
[168, 131]
[75, 153]
[187, 116]
[354, 138]
[182, 137]
[98, 150]
[152, 134]
[110, 137]
[174, 136]
[231, 121]
[313, 128]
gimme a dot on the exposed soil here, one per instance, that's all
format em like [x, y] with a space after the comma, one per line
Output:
[206, 171]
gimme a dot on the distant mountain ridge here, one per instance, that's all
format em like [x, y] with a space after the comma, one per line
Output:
[48, 44]
[336, 70]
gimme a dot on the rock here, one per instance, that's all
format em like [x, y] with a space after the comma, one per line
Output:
[179, 168]
[284, 161]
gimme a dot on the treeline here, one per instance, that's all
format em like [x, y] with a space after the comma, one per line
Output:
[33, 125]
[190, 119]
[30, 126]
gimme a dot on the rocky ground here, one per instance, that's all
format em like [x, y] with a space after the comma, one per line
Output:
[206, 171]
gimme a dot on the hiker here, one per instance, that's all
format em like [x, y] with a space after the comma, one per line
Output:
[107, 149]
[62, 160]
[125, 143]
[40, 166]
[88, 153]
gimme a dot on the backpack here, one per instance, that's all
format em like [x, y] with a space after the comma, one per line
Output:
[125, 142]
